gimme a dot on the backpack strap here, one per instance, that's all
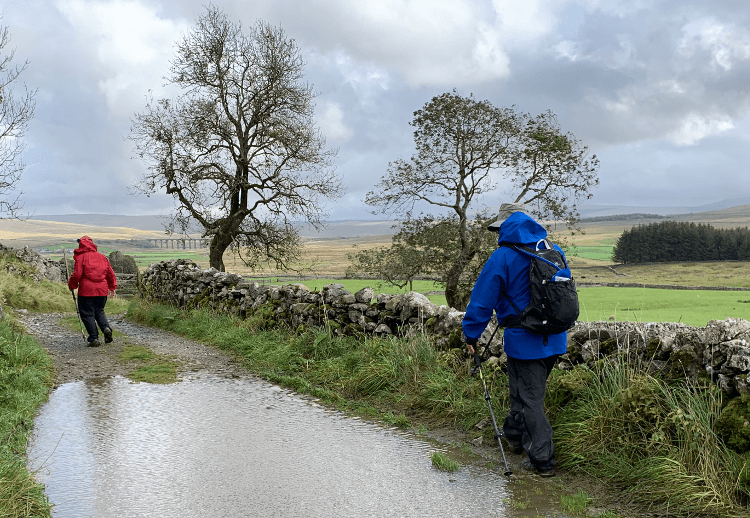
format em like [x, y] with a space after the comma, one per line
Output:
[511, 320]
[531, 252]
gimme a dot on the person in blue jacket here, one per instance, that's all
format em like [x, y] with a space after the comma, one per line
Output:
[530, 360]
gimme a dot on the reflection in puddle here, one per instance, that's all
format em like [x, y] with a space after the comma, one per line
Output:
[215, 447]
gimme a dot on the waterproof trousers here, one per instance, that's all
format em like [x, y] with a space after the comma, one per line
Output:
[526, 422]
[91, 310]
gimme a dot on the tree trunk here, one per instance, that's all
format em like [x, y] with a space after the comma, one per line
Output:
[219, 244]
[451, 291]
[454, 296]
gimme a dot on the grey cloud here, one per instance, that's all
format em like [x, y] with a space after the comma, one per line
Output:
[625, 80]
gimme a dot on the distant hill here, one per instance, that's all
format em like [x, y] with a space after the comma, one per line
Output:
[732, 216]
[624, 217]
[333, 229]
[152, 223]
[590, 210]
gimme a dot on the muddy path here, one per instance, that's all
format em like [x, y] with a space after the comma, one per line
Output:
[75, 361]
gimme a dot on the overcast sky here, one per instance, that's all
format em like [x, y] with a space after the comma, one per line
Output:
[658, 89]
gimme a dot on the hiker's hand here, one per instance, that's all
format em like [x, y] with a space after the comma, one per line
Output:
[470, 343]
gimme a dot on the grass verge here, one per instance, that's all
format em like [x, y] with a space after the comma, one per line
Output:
[25, 379]
[616, 423]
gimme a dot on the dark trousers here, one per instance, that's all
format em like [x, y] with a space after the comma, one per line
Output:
[91, 310]
[526, 422]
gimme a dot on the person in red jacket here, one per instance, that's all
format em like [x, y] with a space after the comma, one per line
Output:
[94, 279]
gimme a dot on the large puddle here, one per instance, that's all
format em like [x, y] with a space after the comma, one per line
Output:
[216, 447]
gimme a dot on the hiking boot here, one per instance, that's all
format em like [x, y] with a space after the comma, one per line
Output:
[528, 466]
[515, 446]
[107, 335]
[95, 343]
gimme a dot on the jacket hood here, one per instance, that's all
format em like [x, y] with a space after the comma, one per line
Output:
[85, 244]
[521, 228]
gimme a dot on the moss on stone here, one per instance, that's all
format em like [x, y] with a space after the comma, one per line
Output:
[679, 366]
[353, 329]
[564, 386]
[455, 340]
[652, 347]
[608, 346]
[201, 300]
[733, 425]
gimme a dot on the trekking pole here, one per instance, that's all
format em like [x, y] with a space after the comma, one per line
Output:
[478, 363]
[75, 302]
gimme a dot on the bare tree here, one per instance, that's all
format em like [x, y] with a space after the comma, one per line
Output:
[460, 142]
[16, 111]
[238, 149]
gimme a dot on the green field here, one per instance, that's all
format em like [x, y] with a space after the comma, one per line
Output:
[692, 307]
[354, 285]
[144, 259]
[601, 252]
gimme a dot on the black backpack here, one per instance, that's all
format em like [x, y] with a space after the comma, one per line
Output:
[553, 306]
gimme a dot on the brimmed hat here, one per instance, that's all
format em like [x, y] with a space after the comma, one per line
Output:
[506, 209]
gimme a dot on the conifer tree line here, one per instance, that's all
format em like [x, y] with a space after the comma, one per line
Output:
[681, 241]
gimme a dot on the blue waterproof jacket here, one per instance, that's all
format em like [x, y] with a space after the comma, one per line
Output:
[508, 270]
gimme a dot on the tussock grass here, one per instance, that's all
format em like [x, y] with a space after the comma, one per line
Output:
[19, 290]
[577, 503]
[444, 463]
[655, 439]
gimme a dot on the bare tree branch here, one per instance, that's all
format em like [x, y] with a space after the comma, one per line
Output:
[16, 111]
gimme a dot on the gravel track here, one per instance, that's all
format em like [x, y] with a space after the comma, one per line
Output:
[74, 360]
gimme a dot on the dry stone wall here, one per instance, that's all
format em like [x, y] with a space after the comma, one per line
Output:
[185, 284]
[720, 351]
[46, 269]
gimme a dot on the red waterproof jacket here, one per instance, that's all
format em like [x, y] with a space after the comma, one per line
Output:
[93, 275]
